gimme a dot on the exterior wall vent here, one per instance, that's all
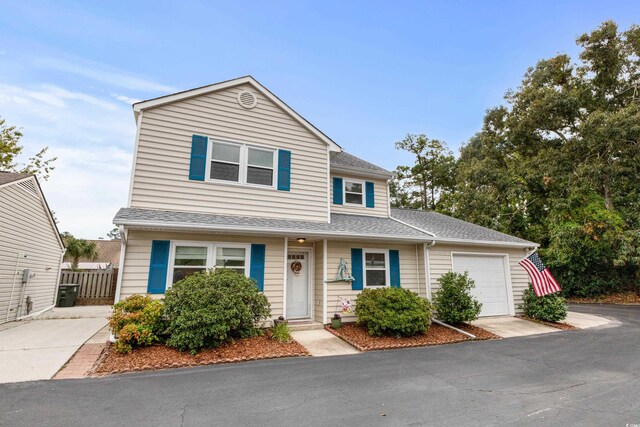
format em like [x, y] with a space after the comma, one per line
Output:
[29, 187]
[247, 99]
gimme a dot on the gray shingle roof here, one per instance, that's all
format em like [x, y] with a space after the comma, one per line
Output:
[341, 225]
[446, 227]
[345, 160]
[7, 177]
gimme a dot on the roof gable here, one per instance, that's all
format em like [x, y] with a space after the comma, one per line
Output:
[167, 99]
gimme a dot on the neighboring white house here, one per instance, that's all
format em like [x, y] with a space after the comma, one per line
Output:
[228, 175]
[31, 250]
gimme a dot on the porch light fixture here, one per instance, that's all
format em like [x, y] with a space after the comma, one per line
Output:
[301, 240]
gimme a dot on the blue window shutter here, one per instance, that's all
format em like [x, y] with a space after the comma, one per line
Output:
[158, 263]
[256, 270]
[370, 194]
[394, 268]
[337, 191]
[357, 270]
[198, 164]
[284, 170]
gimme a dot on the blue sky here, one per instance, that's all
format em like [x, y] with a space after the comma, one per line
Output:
[366, 73]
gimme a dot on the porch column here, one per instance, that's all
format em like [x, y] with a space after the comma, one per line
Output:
[284, 285]
[324, 281]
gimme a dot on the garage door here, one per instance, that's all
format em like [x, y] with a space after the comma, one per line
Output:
[491, 281]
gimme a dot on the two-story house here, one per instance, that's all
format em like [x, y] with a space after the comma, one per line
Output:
[228, 175]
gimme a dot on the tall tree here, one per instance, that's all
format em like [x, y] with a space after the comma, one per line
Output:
[559, 164]
[432, 175]
[10, 150]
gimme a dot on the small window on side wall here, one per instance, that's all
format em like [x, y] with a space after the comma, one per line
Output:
[353, 192]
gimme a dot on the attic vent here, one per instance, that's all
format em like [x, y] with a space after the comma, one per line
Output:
[247, 99]
[29, 187]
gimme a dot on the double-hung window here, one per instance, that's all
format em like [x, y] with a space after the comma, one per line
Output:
[353, 192]
[242, 164]
[376, 268]
[190, 257]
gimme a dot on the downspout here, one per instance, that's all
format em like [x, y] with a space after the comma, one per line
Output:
[55, 294]
[13, 284]
[454, 328]
[418, 268]
[427, 268]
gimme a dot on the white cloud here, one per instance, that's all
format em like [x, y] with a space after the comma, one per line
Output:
[102, 74]
[125, 99]
[93, 140]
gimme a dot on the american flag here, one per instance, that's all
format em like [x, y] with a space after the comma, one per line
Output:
[541, 278]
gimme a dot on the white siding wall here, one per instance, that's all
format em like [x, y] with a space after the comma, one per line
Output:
[138, 252]
[381, 198]
[440, 263]
[161, 174]
[25, 229]
[338, 290]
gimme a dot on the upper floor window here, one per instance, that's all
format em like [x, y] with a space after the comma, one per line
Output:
[353, 192]
[242, 164]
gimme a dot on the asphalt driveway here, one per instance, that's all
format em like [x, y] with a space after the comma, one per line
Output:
[582, 377]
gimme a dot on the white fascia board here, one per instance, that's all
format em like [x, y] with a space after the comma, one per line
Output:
[487, 243]
[137, 107]
[266, 231]
[361, 172]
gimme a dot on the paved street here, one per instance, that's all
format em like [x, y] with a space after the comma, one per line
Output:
[583, 377]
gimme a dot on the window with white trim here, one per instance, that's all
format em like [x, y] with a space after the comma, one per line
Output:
[190, 257]
[241, 163]
[376, 268]
[353, 192]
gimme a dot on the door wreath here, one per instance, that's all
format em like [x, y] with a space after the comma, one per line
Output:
[296, 267]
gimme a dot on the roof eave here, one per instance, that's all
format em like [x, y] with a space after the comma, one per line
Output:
[362, 172]
[486, 242]
[266, 231]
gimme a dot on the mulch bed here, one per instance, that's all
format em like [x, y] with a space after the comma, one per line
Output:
[161, 357]
[619, 298]
[359, 338]
[558, 325]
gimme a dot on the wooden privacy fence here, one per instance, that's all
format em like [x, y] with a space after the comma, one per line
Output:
[96, 286]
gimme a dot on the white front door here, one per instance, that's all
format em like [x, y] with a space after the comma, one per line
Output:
[298, 285]
[488, 273]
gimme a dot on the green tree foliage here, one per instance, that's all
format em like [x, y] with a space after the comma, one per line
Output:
[10, 149]
[78, 248]
[431, 177]
[559, 164]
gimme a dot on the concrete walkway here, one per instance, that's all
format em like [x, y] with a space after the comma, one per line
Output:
[322, 343]
[509, 327]
[584, 320]
[37, 349]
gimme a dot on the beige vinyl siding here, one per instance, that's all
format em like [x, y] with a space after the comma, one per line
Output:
[380, 192]
[25, 229]
[338, 290]
[138, 252]
[161, 172]
[440, 263]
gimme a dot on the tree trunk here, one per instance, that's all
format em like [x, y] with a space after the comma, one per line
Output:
[608, 200]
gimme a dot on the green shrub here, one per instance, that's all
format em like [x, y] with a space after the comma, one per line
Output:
[209, 308]
[134, 335]
[137, 321]
[393, 311]
[551, 308]
[453, 302]
[281, 333]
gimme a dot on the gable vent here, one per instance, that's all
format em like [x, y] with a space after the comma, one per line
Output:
[29, 187]
[247, 99]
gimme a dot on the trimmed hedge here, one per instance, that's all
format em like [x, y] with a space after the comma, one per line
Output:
[393, 311]
[551, 308]
[453, 302]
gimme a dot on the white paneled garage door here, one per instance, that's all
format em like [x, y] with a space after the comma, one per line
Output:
[488, 271]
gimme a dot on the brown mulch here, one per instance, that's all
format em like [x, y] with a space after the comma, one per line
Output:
[161, 357]
[359, 338]
[558, 325]
[619, 298]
